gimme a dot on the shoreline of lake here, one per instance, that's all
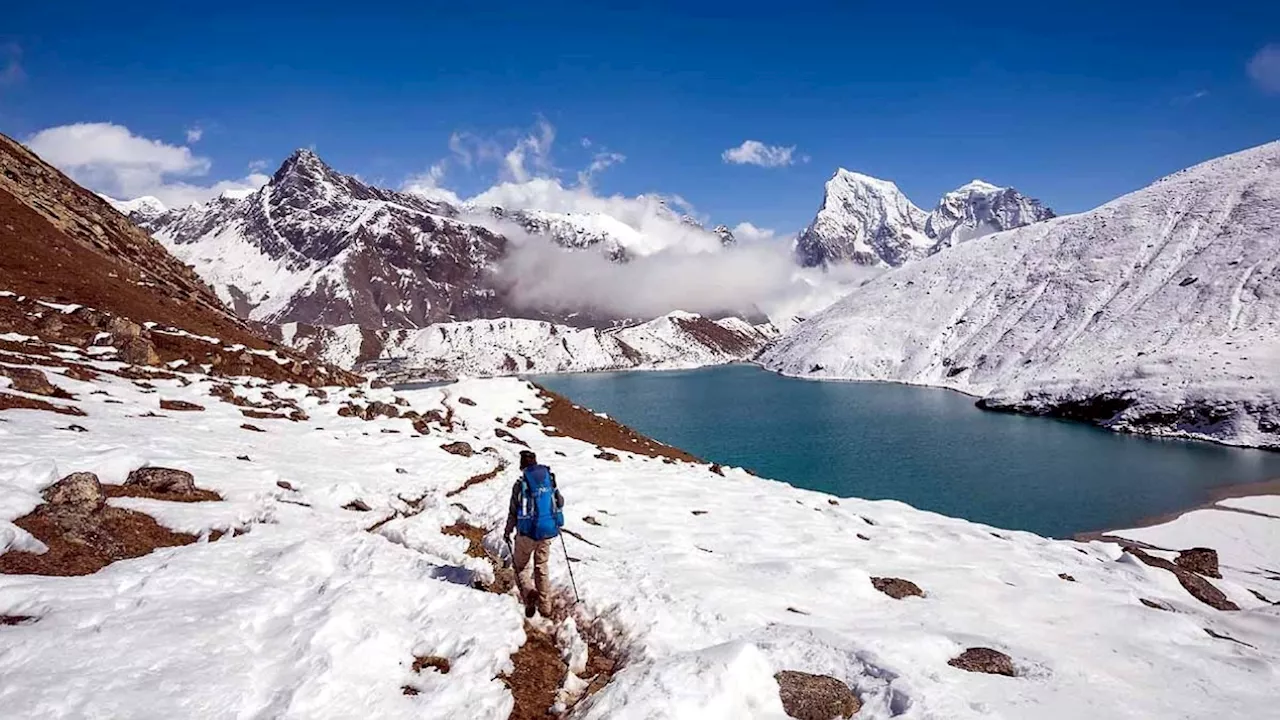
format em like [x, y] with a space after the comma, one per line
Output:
[1215, 495]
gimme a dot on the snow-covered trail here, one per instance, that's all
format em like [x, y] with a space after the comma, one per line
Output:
[710, 579]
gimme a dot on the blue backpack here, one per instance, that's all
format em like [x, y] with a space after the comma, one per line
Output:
[538, 516]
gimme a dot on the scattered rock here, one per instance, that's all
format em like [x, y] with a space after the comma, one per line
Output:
[180, 405]
[606, 455]
[381, 409]
[515, 422]
[833, 501]
[78, 492]
[699, 512]
[357, 505]
[1200, 560]
[284, 485]
[863, 537]
[506, 435]
[1200, 589]
[591, 521]
[435, 662]
[1155, 604]
[244, 457]
[420, 426]
[137, 350]
[262, 414]
[1215, 634]
[1066, 577]
[17, 619]
[253, 428]
[715, 468]
[163, 480]
[815, 697]
[467, 401]
[76, 428]
[896, 588]
[984, 660]
[458, 448]
[401, 471]
[32, 381]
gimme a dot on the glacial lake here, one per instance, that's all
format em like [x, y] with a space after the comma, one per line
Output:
[928, 447]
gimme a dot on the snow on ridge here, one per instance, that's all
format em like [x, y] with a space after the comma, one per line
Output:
[517, 346]
[1158, 312]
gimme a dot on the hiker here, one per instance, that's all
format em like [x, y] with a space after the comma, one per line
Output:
[535, 513]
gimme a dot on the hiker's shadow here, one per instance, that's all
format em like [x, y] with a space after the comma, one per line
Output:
[456, 574]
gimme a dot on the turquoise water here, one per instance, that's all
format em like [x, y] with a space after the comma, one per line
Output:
[927, 447]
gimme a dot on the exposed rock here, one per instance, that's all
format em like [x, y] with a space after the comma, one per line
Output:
[1066, 577]
[163, 480]
[815, 697]
[381, 409]
[509, 437]
[458, 448]
[30, 380]
[137, 350]
[984, 660]
[1200, 589]
[591, 520]
[896, 588]
[1200, 560]
[180, 405]
[1155, 604]
[284, 485]
[467, 401]
[606, 455]
[252, 428]
[357, 505]
[78, 492]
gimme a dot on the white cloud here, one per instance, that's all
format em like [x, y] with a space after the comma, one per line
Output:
[428, 185]
[194, 134]
[601, 161]
[258, 166]
[745, 232]
[112, 160]
[754, 152]
[11, 56]
[1264, 68]
[534, 149]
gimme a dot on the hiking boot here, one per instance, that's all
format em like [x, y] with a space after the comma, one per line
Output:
[531, 605]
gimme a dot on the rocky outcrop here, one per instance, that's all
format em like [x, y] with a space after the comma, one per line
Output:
[815, 697]
[896, 588]
[984, 660]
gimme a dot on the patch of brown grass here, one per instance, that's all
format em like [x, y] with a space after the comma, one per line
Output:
[537, 676]
[137, 491]
[17, 402]
[113, 534]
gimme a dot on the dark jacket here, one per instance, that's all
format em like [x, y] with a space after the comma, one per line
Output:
[513, 508]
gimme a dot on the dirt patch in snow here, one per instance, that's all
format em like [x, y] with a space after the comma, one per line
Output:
[537, 676]
[561, 418]
[17, 619]
[477, 479]
[180, 406]
[137, 491]
[83, 533]
[17, 402]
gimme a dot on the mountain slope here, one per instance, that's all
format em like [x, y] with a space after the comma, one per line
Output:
[75, 273]
[869, 221]
[513, 346]
[1158, 312]
[316, 246]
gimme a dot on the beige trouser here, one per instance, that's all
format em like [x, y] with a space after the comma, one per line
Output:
[540, 551]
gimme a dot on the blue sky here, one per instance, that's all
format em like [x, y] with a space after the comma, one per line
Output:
[1074, 104]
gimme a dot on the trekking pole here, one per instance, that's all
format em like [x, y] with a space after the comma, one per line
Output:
[569, 565]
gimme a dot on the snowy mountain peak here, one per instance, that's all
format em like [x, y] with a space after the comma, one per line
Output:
[145, 206]
[979, 208]
[869, 221]
[864, 220]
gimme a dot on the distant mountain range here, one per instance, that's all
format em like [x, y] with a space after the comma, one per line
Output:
[869, 221]
[1158, 312]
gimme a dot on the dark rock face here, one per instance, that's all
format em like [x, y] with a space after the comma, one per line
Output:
[163, 480]
[1202, 561]
[984, 660]
[896, 588]
[815, 697]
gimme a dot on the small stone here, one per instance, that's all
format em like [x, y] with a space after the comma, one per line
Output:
[591, 521]
[252, 428]
[1066, 577]
[815, 697]
[139, 351]
[896, 588]
[80, 492]
[243, 457]
[401, 471]
[284, 485]
[357, 505]
[76, 428]
[606, 455]
[984, 660]
[467, 401]
[458, 448]
[180, 405]
[381, 409]
[163, 480]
